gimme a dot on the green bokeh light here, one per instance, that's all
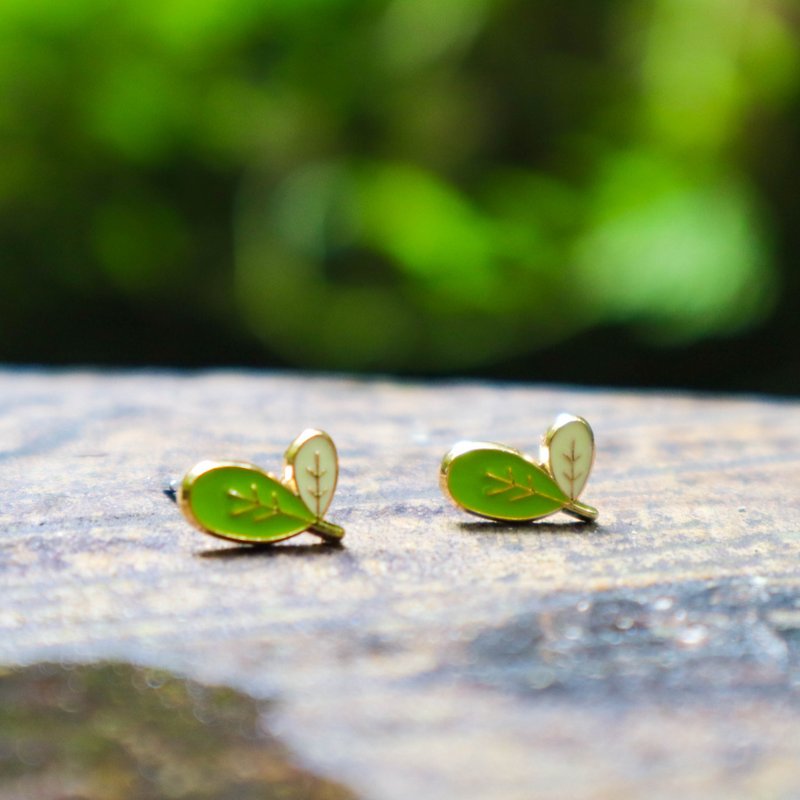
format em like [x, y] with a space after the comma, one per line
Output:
[396, 184]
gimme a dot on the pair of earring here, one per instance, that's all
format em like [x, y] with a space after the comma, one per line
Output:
[238, 501]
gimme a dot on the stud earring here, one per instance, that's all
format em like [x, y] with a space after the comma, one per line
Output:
[500, 483]
[240, 502]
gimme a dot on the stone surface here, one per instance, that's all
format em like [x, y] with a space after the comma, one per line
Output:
[654, 654]
[119, 732]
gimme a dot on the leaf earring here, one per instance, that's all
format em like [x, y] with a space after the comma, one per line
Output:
[240, 502]
[500, 483]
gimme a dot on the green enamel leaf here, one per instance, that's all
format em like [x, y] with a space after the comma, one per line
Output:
[499, 483]
[243, 503]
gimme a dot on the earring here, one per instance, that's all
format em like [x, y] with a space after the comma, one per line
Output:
[500, 483]
[238, 501]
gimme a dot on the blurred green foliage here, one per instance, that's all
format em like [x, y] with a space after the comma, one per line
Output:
[390, 184]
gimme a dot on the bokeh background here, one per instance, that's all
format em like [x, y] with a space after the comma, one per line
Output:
[599, 191]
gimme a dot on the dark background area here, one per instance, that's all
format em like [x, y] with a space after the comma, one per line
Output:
[593, 192]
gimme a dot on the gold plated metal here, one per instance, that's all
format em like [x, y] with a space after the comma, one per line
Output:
[500, 483]
[238, 501]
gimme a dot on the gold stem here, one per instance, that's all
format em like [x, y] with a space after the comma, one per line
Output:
[327, 530]
[581, 511]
